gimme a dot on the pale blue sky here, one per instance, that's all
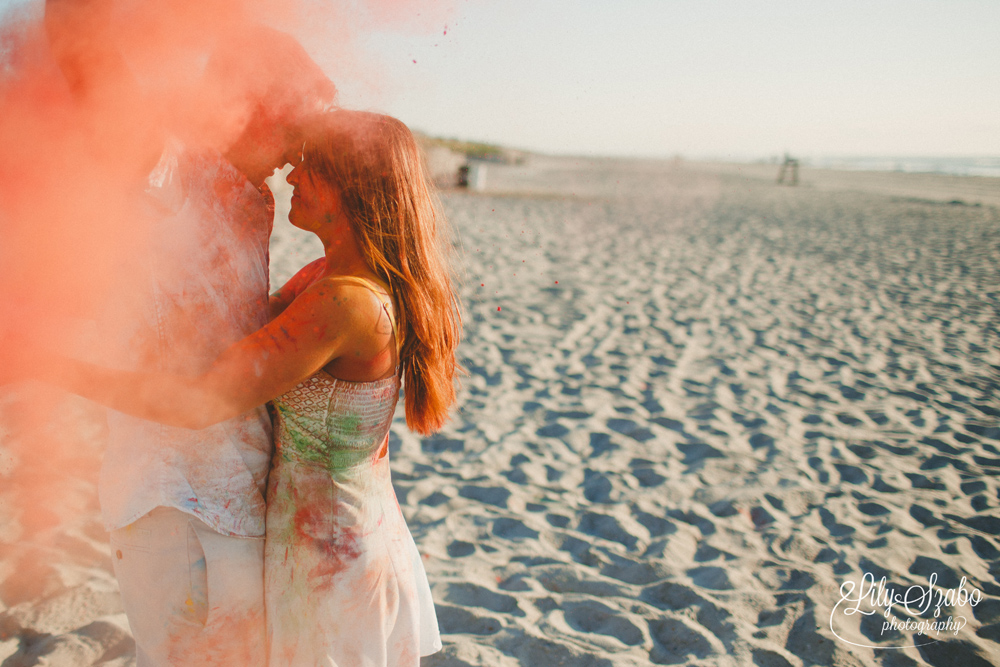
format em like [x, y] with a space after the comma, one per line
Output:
[724, 78]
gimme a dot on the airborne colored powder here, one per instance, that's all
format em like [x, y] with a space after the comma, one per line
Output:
[91, 93]
[90, 90]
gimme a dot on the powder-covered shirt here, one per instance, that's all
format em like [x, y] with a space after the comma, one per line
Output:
[196, 284]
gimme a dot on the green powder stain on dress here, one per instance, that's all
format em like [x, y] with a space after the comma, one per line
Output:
[332, 453]
[345, 423]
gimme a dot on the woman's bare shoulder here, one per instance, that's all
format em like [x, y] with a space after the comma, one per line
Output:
[363, 297]
[360, 310]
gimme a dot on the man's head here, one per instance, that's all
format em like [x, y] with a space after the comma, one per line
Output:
[266, 83]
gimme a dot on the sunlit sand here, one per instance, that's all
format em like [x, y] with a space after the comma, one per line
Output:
[697, 403]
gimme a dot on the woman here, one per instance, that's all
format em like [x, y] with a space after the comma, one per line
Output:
[343, 578]
[344, 583]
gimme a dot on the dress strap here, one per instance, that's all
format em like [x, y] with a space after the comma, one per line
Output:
[377, 290]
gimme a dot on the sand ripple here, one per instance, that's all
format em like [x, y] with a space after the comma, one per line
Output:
[697, 403]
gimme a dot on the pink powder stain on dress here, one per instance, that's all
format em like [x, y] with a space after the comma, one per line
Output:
[316, 529]
[336, 556]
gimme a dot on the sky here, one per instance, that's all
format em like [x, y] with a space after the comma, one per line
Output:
[738, 79]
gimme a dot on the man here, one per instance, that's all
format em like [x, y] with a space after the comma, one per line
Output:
[186, 508]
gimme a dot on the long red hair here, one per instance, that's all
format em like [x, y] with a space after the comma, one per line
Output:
[374, 162]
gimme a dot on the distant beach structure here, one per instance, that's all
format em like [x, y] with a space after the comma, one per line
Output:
[791, 167]
[472, 175]
[452, 162]
[443, 165]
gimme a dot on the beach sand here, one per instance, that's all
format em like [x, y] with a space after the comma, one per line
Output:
[697, 404]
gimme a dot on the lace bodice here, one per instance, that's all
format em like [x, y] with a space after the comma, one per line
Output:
[334, 424]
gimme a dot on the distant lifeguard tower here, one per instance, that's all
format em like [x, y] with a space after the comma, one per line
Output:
[791, 167]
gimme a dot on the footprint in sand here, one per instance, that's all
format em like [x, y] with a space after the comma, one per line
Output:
[590, 616]
[677, 643]
[490, 495]
[472, 595]
[513, 529]
[458, 620]
[606, 527]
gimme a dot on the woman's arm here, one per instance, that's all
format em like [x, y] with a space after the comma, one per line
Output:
[326, 321]
[306, 276]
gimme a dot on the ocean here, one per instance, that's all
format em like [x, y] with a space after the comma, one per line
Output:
[957, 166]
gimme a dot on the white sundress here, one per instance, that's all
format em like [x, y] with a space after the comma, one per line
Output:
[343, 582]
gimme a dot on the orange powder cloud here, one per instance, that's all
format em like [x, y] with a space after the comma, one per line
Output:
[88, 96]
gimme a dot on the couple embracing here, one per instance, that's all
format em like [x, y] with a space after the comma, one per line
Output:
[338, 579]
[246, 537]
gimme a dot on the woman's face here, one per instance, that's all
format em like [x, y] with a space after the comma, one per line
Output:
[315, 203]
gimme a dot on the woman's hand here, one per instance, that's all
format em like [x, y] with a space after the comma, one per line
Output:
[306, 276]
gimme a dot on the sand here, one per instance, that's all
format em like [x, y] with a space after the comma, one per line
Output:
[697, 404]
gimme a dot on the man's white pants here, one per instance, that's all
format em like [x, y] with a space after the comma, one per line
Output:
[192, 596]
